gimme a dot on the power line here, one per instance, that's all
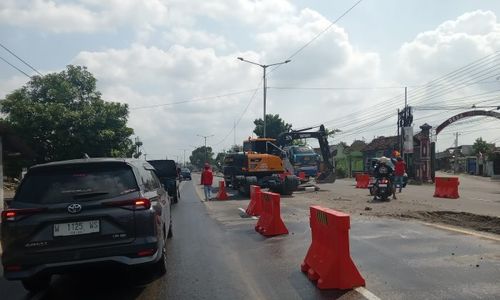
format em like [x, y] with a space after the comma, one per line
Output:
[239, 119]
[14, 67]
[421, 93]
[319, 34]
[22, 60]
[453, 74]
[363, 88]
[198, 99]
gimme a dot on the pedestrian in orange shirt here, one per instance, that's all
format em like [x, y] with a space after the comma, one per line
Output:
[207, 178]
[399, 172]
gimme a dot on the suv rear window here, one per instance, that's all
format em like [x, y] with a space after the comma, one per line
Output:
[83, 182]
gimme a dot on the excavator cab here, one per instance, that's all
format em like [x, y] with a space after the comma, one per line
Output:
[259, 145]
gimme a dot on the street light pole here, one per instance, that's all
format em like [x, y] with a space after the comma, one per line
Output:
[205, 137]
[264, 67]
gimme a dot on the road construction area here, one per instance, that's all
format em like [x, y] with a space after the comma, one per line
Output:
[415, 247]
[216, 253]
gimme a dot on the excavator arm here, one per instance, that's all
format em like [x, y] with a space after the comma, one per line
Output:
[286, 139]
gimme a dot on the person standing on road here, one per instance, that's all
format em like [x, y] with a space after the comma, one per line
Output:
[399, 172]
[207, 178]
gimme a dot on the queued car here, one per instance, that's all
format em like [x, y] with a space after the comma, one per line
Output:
[85, 213]
[166, 170]
[185, 174]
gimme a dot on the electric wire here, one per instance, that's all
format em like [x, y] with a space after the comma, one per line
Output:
[198, 99]
[21, 71]
[318, 35]
[22, 60]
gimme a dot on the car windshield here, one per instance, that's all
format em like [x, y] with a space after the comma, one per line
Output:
[82, 183]
[186, 171]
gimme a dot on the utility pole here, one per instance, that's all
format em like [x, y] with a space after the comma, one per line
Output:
[205, 137]
[455, 169]
[264, 67]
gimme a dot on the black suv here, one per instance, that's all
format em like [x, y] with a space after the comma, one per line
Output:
[83, 213]
[166, 170]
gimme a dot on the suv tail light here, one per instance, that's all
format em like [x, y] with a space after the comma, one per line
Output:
[135, 204]
[11, 215]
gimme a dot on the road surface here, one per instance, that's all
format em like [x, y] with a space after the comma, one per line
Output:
[216, 254]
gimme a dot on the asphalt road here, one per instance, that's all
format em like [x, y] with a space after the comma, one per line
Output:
[216, 254]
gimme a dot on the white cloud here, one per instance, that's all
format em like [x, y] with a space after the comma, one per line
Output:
[455, 42]
[8, 86]
[450, 46]
[82, 16]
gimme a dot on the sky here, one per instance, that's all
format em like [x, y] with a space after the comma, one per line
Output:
[175, 64]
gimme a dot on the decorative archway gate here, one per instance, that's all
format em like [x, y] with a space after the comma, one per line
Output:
[427, 170]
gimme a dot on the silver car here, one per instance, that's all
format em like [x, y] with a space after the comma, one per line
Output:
[83, 213]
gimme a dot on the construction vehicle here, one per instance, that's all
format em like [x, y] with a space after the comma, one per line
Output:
[264, 162]
[327, 168]
[304, 160]
[260, 163]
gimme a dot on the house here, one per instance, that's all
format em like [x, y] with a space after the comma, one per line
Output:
[380, 146]
[459, 159]
[349, 159]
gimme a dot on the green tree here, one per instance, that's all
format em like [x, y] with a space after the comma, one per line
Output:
[197, 157]
[274, 126]
[481, 147]
[62, 116]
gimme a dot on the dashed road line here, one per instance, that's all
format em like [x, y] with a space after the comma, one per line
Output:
[244, 211]
[476, 234]
[366, 293]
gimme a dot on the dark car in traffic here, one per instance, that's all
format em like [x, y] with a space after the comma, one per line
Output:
[166, 170]
[185, 174]
[85, 213]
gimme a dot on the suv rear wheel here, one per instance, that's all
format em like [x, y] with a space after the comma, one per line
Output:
[37, 283]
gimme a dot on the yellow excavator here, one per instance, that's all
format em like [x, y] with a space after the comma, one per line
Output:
[260, 164]
[263, 162]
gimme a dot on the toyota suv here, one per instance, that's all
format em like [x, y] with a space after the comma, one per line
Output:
[83, 213]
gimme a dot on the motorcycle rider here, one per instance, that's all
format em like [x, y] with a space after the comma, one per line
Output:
[383, 169]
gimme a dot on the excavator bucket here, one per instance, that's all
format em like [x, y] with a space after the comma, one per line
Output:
[326, 177]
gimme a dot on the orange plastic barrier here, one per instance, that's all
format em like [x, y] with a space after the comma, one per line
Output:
[328, 260]
[221, 194]
[255, 206]
[446, 187]
[270, 222]
[362, 181]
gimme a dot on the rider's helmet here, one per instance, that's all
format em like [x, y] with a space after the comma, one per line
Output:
[383, 160]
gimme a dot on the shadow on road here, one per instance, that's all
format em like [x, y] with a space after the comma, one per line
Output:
[107, 284]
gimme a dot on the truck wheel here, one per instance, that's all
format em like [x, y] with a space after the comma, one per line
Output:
[289, 185]
[245, 187]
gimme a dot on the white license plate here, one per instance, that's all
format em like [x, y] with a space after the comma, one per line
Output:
[382, 185]
[76, 228]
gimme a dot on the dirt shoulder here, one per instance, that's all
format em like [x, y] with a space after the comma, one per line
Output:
[478, 207]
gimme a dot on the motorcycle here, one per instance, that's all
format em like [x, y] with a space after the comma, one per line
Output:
[382, 189]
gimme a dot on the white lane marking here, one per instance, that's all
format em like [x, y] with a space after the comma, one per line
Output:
[245, 212]
[476, 234]
[366, 293]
